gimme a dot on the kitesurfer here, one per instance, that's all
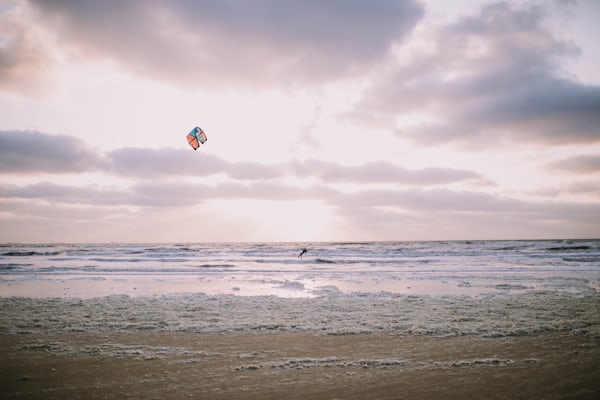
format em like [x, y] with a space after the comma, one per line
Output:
[304, 250]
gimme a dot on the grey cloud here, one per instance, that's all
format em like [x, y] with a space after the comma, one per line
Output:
[138, 195]
[253, 171]
[55, 193]
[381, 172]
[151, 163]
[585, 187]
[442, 200]
[63, 213]
[31, 151]
[238, 41]
[545, 109]
[160, 193]
[585, 163]
[144, 194]
[138, 162]
[387, 213]
[177, 194]
[25, 56]
[592, 187]
[495, 76]
[387, 210]
[183, 194]
[170, 194]
[36, 152]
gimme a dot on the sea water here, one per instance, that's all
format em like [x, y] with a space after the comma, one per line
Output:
[483, 288]
[250, 269]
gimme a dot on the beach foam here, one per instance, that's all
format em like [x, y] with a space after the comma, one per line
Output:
[333, 313]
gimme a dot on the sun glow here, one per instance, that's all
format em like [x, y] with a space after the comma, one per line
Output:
[300, 220]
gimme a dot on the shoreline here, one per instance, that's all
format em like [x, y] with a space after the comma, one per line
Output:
[175, 365]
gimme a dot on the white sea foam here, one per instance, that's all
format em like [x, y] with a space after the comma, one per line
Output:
[375, 363]
[334, 314]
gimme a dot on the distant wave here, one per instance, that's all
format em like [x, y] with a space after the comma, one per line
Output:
[216, 266]
[324, 261]
[18, 253]
[569, 248]
[582, 259]
[508, 286]
[10, 267]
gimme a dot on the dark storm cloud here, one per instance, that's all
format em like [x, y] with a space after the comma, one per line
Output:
[238, 41]
[36, 152]
[492, 77]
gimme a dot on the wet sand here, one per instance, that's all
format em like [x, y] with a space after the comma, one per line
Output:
[163, 365]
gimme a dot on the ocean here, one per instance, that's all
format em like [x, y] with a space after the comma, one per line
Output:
[438, 288]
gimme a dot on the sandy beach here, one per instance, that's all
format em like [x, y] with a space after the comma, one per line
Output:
[162, 365]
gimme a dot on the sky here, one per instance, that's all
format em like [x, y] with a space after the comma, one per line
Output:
[337, 120]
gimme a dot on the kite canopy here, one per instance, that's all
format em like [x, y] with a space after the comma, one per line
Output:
[196, 137]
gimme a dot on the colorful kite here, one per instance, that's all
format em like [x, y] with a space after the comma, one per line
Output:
[196, 137]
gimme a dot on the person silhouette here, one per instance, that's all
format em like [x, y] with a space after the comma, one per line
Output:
[304, 250]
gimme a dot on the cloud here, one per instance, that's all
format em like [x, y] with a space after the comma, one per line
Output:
[160, 193]
[26, 56]
[67, 194]
[153, 163]
[489, 78]
[381, 172]
[415, 214]
[178, 194]
[54, 214]
[35, 152]
[584, 163]
[369, 213]
[160, 163]
[235, 41]
[437, 200]
[578, 187]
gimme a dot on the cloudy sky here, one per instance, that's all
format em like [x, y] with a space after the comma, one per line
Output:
[326, 120]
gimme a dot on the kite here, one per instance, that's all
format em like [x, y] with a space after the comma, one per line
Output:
[196, 137]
